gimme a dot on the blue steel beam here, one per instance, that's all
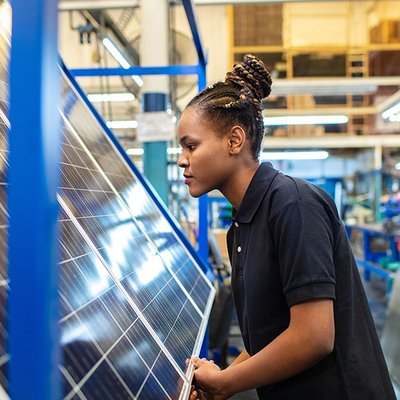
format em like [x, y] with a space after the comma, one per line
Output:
[192, 19]
[203, 200]
[166, 70]
[33, 207]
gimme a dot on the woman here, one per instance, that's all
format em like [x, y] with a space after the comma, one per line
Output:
[305, 321]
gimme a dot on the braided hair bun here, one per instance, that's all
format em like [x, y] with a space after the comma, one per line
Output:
[252, 79]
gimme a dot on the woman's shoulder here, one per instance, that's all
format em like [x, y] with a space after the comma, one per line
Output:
[288, 189]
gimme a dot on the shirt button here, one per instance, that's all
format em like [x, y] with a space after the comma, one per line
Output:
[239, 249]
[237, 225]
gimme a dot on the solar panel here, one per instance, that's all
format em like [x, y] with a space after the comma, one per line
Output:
[133, 301]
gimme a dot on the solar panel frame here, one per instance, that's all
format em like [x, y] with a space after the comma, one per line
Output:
[209, 302]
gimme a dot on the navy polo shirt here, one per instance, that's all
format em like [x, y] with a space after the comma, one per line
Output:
[288, 245]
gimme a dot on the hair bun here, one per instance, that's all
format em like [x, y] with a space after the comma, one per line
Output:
[251, 74]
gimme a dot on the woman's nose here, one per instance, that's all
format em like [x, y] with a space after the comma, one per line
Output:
[182, 161]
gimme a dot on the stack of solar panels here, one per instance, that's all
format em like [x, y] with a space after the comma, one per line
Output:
[134, 302]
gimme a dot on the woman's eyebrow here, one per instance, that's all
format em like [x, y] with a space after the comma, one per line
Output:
[183, 140]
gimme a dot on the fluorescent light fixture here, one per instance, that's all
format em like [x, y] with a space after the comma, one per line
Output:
[128, 124]
[134, 152]
[114, 51]
[139, 152]
[5, 21]
[138, 80]
[110, 46]
[102, 97]
[174, 150]
[390, 112]
[295, 155]
[394, 118]
[306, 120]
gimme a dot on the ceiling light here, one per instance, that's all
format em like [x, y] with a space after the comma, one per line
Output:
[129, 124]
[110, 46]
[102, 97]
[174, 150]
[140, 152]
[134, 152]
[116, 53]
[394, 118]
[295, 155]
[138, 80]
[306, 120]
[390, 112]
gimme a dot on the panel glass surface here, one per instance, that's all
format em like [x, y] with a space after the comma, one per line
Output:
[133, 249]
[146, 214]
[128, 254]
[107, 351]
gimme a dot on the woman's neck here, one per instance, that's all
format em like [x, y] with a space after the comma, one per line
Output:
[235, 189]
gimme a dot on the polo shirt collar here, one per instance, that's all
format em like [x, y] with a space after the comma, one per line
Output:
[254, 195]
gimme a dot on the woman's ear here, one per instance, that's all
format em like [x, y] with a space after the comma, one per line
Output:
[237, 139]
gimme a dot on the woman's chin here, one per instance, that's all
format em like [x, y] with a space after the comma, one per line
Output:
[196, 193]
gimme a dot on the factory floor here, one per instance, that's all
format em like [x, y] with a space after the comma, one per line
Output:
[377, 299]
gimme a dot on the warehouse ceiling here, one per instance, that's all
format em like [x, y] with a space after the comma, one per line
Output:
[318, 87]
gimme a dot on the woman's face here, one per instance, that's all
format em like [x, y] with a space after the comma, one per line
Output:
[205, 154]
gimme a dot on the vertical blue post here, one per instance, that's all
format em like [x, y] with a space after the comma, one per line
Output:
[33, 208]
[367, 254]
[203, 200]
[203, 220]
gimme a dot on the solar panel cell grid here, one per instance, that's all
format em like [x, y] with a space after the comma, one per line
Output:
[98, 328]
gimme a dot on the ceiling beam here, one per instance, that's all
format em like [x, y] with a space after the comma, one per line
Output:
[72, 5]
[331, 142]
[276, 112]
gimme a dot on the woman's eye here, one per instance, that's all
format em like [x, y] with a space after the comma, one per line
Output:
[191, 147]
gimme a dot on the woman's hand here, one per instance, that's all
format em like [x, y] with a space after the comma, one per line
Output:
[207, 377]
[197, 394]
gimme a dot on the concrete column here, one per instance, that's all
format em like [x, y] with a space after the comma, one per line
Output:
[154, 52]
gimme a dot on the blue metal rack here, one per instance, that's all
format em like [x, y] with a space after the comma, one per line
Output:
[369, 259]
[33, 207]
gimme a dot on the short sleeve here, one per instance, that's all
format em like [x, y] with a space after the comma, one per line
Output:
[303, 240]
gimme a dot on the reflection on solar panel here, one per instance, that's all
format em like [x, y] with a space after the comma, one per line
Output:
[134, 303]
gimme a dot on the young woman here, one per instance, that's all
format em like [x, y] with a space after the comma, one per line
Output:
[305, 321]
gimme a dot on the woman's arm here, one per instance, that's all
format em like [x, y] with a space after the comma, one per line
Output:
[198, 394]
[308, 339]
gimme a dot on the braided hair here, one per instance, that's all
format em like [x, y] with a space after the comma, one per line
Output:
[237, 100]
